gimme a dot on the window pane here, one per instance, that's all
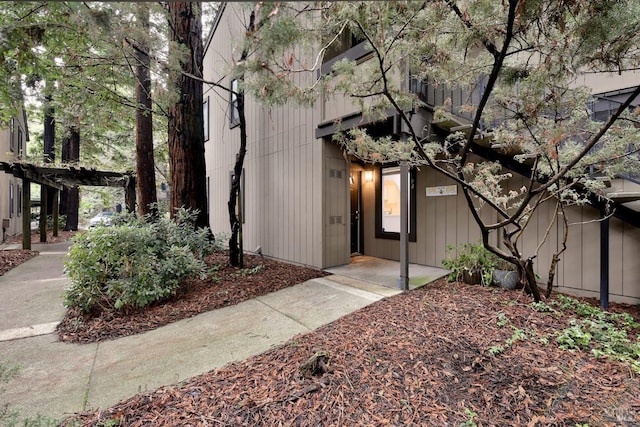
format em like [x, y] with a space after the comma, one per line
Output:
[391, 200]
[205, 116]
[234, 116]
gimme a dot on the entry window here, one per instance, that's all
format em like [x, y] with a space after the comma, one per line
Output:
[388, 204]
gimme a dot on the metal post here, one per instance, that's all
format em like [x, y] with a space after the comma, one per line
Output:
[26, 214]
[403, 282]
[43, 213]
[56, 212]
[604, 259]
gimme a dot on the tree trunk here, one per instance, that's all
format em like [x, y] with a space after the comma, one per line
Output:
[186, 123]
[528, 278]
[145, 163]
[70, 199]
[236, 249]
[49, 152]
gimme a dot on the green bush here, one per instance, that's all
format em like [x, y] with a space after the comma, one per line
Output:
[136, 262]
[468, 259]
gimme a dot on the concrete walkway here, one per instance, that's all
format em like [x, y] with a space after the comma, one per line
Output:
[57, 379]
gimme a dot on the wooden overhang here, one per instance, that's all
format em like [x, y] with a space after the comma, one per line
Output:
[58, 178]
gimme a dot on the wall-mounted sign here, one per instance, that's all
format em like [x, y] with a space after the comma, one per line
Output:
[442, 190]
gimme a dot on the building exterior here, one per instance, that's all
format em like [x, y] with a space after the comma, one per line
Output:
[306, 202]
[13, 140]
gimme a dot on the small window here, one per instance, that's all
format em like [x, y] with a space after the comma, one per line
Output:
[12, 129]
[19, 200]
[345, 41]
[205, 116]
[12, 200]
[20, 144]
[388, 204]
[234, 115]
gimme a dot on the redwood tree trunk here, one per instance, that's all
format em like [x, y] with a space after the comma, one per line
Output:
[70, 198]
[49, 152]
[145, 163]
[186, 123]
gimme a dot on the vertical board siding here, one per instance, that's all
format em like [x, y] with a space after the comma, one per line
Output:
[279, 168]
[630, 265]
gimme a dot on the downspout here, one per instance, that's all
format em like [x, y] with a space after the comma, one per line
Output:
[604, 258]
[403, 281]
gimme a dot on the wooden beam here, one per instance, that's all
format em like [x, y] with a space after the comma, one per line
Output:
[39, 179]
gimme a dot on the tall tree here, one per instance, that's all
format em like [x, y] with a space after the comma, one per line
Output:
[145, 163]
[185, 125]
[516, 60]
[235, 240]
[49, 152]
[70, 197]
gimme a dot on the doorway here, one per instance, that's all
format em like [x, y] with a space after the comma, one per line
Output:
[355, 186]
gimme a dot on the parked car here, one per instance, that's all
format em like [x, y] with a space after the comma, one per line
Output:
[103, 218]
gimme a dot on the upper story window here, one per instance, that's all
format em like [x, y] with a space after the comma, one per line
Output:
[205, 117]
[234, 115]
[20, 144]
[347, 45]
[343, 43]
[12, 130]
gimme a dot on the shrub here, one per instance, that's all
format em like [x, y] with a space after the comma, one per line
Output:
[136, 262]
[469, 260]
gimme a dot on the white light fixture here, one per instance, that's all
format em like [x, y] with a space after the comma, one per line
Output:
[368, 176]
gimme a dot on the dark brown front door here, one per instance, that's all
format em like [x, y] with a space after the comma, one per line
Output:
[356, 212]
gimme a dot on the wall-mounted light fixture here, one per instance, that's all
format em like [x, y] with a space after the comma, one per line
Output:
[368, 176]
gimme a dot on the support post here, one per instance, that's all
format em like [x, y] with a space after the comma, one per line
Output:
[130, 194]
[240, 241]
[56, 212]
[26, 214]
[403, 282]
[604, 258]
[43, 213]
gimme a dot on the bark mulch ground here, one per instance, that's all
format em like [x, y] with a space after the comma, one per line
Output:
[448, 354]
[11, 258]
[421, 358]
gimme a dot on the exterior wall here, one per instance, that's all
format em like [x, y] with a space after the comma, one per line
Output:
[606, 82]
[8, 181]
[296, 195]
[336, 219]
[446, 220]
[284, 166]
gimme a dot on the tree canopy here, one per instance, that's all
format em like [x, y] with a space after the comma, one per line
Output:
[83, 57]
